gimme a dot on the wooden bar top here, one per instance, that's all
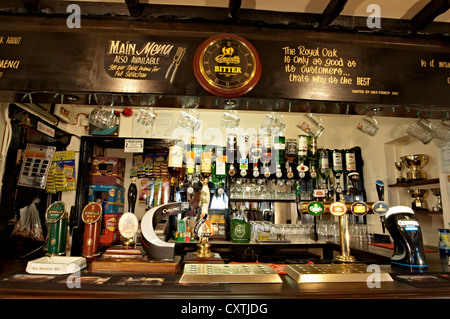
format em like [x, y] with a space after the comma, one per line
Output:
[288, 289]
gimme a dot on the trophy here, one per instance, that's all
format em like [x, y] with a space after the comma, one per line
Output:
[400, 168]
[437, 192]
[415, 163]
[419, 202]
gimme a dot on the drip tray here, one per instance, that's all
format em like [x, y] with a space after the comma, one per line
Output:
[226, 273]
[302, 273]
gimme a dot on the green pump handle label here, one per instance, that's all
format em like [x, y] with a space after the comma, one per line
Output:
[316, 208]
[55, 212]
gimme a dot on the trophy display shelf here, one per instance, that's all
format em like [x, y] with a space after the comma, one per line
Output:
[416, 183]
[118, 259]
[423, 182]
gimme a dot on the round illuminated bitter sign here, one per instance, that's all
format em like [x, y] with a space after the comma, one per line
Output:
[227, 66]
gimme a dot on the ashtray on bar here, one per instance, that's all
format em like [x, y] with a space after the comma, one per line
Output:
[229, 273]
[56, 265]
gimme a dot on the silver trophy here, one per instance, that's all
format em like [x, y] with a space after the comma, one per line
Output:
[400, 168]
[437, 192]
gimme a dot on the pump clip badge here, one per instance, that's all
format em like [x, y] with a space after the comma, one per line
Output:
[359, 209]
[380, 208]
[316, 208]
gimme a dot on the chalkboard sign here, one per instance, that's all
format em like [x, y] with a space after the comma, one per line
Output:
[143, 60]
[365, 72]
[337, 72]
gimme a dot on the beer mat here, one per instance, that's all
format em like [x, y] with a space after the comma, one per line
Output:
[391, 247]
[424, 280]
[105, 282]
[279, 268]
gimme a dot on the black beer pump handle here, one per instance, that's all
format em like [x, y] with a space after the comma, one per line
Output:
[380, 190]
[132, 196]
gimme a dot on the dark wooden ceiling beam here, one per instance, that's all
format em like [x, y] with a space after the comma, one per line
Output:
[32, 6]
[233, 8]
[332, 11]
[245, 17]
[134, 7]
[426, 16]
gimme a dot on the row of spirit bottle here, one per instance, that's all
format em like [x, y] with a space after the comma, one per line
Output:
[271, 157]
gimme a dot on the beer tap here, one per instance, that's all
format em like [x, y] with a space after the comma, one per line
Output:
[380, 191]
[132, 195]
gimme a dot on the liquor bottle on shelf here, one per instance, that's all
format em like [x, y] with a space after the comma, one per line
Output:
[206, 165]
[190, 165]
[219, 171]
[291, 155]
[267, 154]
[175, 165]
[231, 153]
[256, 153]
[279, 154]
[243, 155]
[302, 155]
[324, 169]
[352, 176]
[313, 167]
[338, 169]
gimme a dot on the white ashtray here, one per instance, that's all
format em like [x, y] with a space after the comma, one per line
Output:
[56, 265]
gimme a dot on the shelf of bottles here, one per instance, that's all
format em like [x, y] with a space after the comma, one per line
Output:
[247, 174]
[263, 167]
[262, 164]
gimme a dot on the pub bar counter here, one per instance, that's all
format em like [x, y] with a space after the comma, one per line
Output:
[423, 288]
[246, 151]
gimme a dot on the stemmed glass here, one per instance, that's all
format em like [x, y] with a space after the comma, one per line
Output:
[400, 168]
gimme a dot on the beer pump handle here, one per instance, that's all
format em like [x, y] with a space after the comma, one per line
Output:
[380, 190]
[132, 195]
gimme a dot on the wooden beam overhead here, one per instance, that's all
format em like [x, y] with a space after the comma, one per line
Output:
[134, 8]
[332, 11]
[32, 6]
[426, 16]
[233, 8]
